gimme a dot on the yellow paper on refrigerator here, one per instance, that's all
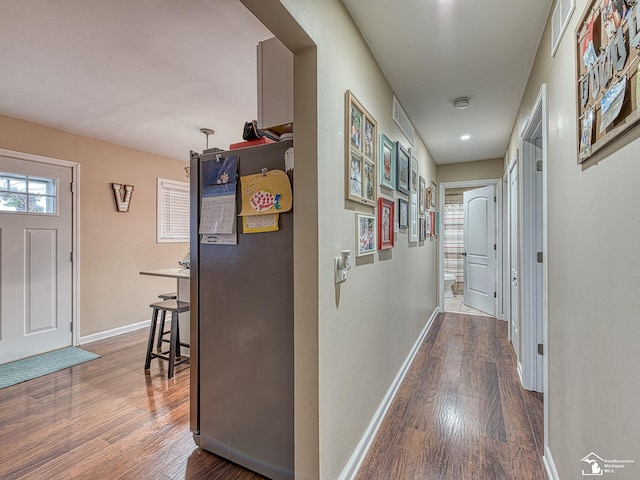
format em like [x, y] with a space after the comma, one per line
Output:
[265, 193]
[260, 223]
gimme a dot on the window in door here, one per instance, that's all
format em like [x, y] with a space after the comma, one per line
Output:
[26, 194]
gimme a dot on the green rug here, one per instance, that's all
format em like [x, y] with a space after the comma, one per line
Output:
[39, 365]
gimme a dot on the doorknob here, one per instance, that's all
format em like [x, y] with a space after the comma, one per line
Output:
[464, 254]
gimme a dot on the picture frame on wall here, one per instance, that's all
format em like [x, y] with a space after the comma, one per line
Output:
[427, 225]
[434, 194]
[387, 163]
[414, 174]
[431, 231]
[422, 228]
[422, 195]
[365, 234]
[402, 169]
[361, 145]
[413, 218]
[403, 213]
[386, 221]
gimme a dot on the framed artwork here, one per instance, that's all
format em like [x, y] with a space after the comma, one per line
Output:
[422, 221]
[432, 230]
[403, 213]
[428, 194]
[402, 169]
[437, 228]
[387, 161]
[413, 217]
[422, 195]
[434, 194]
[427, 225]
[365, 234]
[414, 174]
[386, 220]
[361, 150]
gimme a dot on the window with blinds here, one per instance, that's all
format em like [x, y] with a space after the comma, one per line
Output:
[173, 211]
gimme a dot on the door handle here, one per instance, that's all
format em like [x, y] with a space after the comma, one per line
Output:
[464, 254]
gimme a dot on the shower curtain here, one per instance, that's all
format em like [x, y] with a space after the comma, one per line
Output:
[453, 242]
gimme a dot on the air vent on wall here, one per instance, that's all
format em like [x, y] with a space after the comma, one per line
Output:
[402, 120]
[559, 20]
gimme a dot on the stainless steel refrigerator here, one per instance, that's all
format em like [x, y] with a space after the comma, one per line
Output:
[242, 331]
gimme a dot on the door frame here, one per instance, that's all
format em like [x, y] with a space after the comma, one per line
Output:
[75, 234]
[533, 318]
[497, 182]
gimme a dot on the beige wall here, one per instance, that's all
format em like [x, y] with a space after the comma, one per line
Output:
[480, 170]
[114, 246]
[367, 326]
[593, 279]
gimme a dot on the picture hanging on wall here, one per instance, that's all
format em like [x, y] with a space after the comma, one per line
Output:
[365, 234]
[387, 161]
[402, 169]
[413, 217]
[434, 193]
[361, 149]
[386, 221]
[422, 194]
[422, 227]
[403, 213]
[414, 174]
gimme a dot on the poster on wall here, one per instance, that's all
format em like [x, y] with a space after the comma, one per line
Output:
[608, 49]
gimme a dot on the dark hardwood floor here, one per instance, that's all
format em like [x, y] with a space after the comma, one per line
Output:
[106, 419]
[460, 412]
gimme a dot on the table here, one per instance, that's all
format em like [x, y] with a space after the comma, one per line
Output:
[182, 276]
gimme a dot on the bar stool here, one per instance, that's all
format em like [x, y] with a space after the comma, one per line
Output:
[164, 296]
[175, 307]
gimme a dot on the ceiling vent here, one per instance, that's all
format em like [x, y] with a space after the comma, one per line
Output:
[403, 122]
[559, 20]
[461, 103]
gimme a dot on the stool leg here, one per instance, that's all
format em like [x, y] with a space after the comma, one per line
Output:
[178, 352]
[152, 334]
[173, 344]
[162, 318]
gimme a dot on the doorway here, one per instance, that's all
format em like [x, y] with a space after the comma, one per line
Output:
[37, 240]
[452, 245]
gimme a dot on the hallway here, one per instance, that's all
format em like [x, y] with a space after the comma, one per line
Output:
[460, 412]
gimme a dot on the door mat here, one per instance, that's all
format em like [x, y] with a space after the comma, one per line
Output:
[33, 367]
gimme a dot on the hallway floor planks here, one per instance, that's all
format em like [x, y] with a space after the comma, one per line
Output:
[460, 412]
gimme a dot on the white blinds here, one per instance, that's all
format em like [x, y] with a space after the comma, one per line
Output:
[173, 211]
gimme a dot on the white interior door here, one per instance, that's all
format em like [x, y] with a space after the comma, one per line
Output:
[480, 249]
[35, 258]
[514, 317]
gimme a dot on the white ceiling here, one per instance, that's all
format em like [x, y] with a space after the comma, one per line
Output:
[433, 51]
[149, 74]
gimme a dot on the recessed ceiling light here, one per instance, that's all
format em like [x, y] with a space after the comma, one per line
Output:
[465, 137]
[461, 103]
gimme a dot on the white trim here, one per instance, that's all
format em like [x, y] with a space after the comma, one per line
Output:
[353, 465]
[75, 228]
[113, 332]
[441, 191]
[533, 367]
[549, 465]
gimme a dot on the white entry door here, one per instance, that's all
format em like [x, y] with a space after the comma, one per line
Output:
[35, 258]
[480, 249]
[514, 252]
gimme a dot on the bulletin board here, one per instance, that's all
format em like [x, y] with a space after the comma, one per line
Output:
[608, 47]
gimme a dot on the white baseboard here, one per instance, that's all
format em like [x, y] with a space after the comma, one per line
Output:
[116, 331]
[549, 466]
[354, 463]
